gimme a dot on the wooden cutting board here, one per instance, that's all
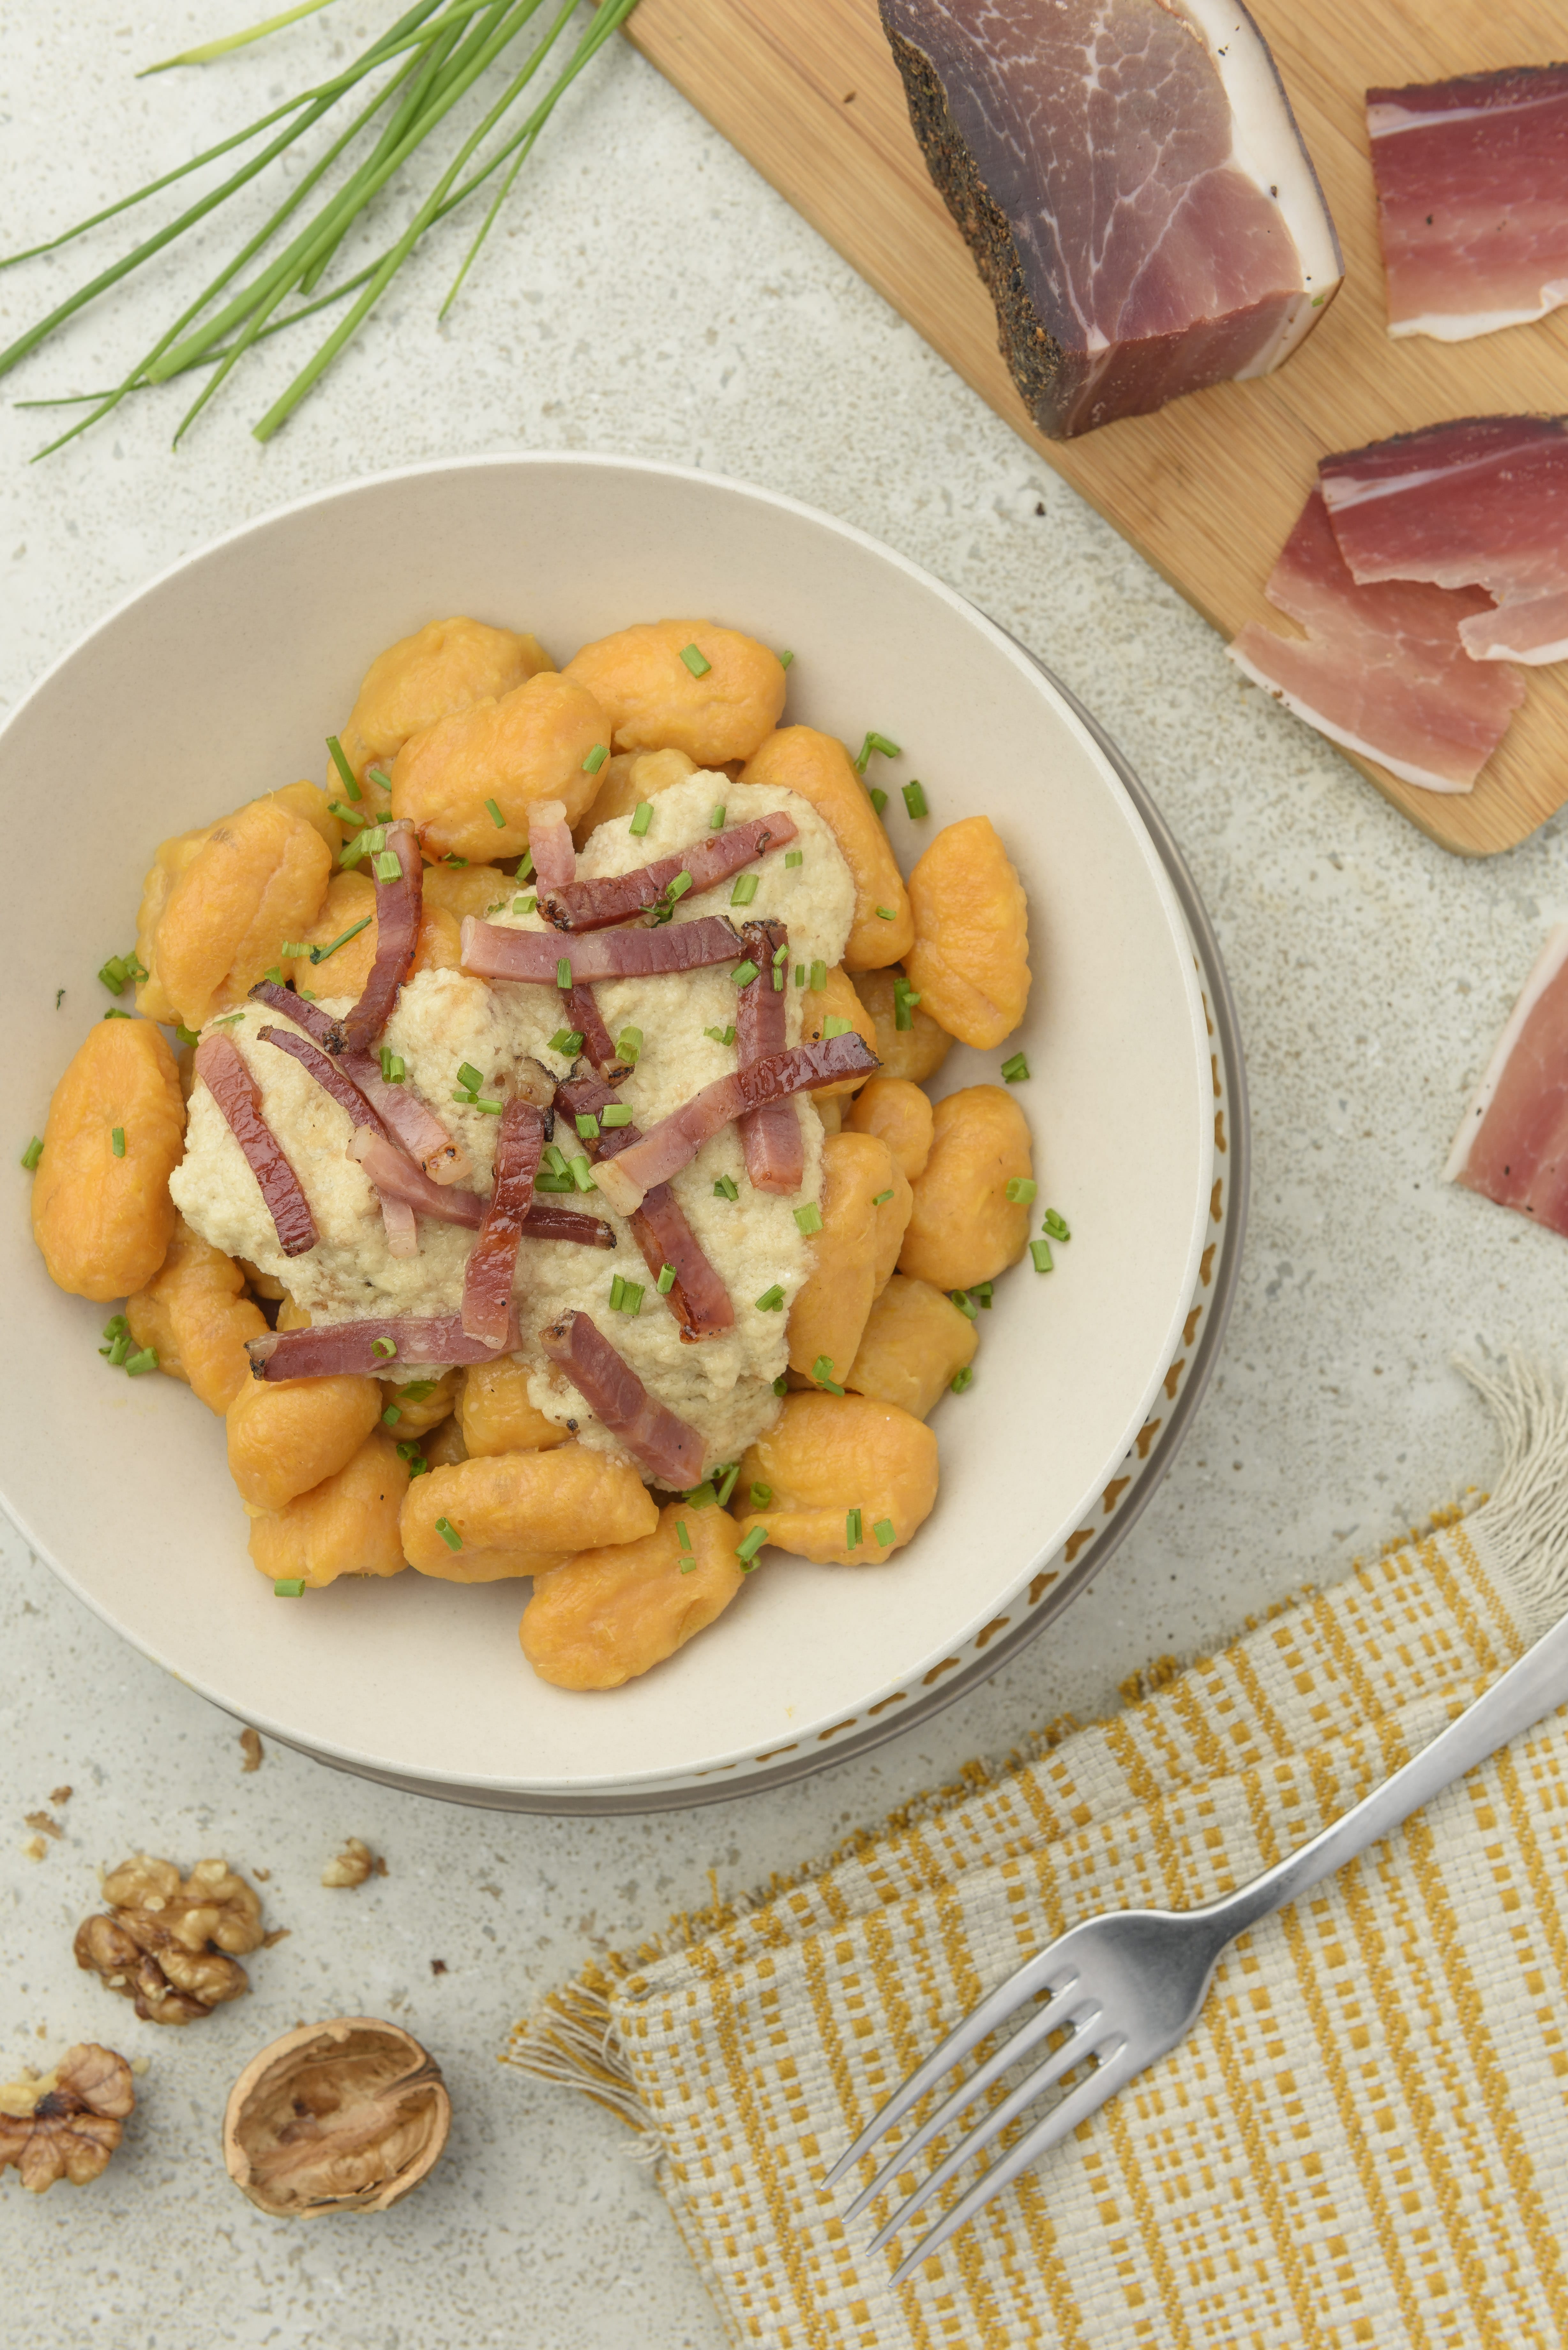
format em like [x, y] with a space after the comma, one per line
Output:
[1209, 488]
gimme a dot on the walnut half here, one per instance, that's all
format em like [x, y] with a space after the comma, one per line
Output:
[66, 2124]
[168, 1943]
[341, 2117]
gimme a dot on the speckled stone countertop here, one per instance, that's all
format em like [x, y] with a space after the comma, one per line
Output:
[646, 293]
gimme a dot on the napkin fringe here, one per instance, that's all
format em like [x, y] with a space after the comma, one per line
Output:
[572, 2037]
[1523, 1523]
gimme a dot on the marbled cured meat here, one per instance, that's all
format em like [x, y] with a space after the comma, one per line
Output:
[1512, 1142]
[400, 895]
[490, 950]
[697, 1297]
[371, 1347]
[770, 1136]
[1382, 669]
[658, 1439]
[1471, 179]
[1479, 501]
[1132, 183]
[592, 905]
[220, 1066]
[492, 1266]
[550, 845]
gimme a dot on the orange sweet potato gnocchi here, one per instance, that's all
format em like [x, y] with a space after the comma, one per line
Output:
[821, 770]
[286, 1435]
[825, 1457]
[195, 1313]
[533, 743]
[444, 667]
[346, 1525]
[219, 904]
[102, 1211]
[484, 1519]
[609, 1614]
[969, 961]
[684, 685]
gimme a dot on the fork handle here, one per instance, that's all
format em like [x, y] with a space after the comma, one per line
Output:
[1535, 1686]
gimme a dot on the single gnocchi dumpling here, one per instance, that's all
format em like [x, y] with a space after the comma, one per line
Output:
[195, 1313]
[612, 1613]
[850, 1479]
[286, 1435]
[915, 1343]
[219, 905]
[909, 1045]
[899, 1115]
[859, 1179]
[964, 1228]
[346, 1525]
[683, 685]
[818, 766]
[442, 667]
[497, 1414]
[411, 1409]
[101, 1211]
[969, 961]
[521, 1512]
[495, 760]
[625, 781]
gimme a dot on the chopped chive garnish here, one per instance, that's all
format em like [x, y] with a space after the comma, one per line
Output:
[629, 1046]
[982, 1294]
[187, 1035]
[771, 1299]
[618, 1290]
[448, 1534]
[347, 814]
[781, 1384]
[384, 1348]
[223, 1020]
[117, 1140]
[596, 758]
[553, 1158]
[1056, 1225]
[338, 757]
[716, 818]
[687, 1564]
[724, 1188]
[1016, 1070]
[681, 1536]
[391, 1416]
[449, 858]
[416, 1390]
[632, 1297]
[819, 976]
[417, 1465]
[800, 974]
[666, 1279]
[137, 1364]
[581, 1172]
[554, 1183]
[744, 973]
[32, 1153]
[728, 1487]
[880, 1199]
[387, 866]
[793, 857]
[784, 659]
[114, 974]
[118, 1349]
[1040, 1251]
[275, 974]
[915, 799]
[725, 1035]
[568, 1041]
[114, 1014]
[761, 1496]
[701, 1497]
[885, 913]
[852, 1530]
[679, 887]
[822, 1372]
[562, 973]
[496, 819]
[523, 905]
[525, 866]
[744, 890]
[588, 1126]
[878, 797]
[291, 950]
[883, 1530]
[491, 1109]
[781, 955]
[616, 1114]
[394, 1068]
[875, 742]
[965, 1303]
[835, 1025]
[642, 816]
[467, 1075]
[379, 777]
[809, 1218]
[747, 1549]
[1021, 1190]
[289, 1586]
[695, 662]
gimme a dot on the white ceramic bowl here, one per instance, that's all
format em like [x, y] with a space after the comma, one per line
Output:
[220, 680]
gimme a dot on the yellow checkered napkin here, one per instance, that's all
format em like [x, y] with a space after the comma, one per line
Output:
[1364, 2140]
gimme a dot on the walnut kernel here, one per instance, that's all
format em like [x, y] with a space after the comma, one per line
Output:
[353, 1864]
[171, 1944]
[341, 2117]
[66, 2123]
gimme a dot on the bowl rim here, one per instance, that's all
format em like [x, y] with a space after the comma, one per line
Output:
[655, 1789]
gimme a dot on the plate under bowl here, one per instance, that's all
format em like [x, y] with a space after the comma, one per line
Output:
[220, 680]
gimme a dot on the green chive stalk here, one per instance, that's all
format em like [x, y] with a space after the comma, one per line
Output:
[437, 49]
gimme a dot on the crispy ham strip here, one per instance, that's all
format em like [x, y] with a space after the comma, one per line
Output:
[550, 846]
[548, 1221]
[397, 1178]
[493, 1264]
[398, 908]
[675, 1141]
[583, 1014]
[614, 896]
[401, 1111]
[221, 1067]
[698, 1299]
[667, 1447]
[327, 1075]
[429, 1340]
[490, 953]
[770, 1137]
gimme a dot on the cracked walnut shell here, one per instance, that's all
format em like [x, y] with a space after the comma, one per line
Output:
[346, 2115]
[66, 2123]
[169, 1944]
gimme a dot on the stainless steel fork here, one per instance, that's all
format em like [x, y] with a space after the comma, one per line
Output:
[1123, 1987]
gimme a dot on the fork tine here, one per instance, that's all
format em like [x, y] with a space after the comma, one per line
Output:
[1034, 1974]
[1073, 2050]
[1076, 2107]
[974, 2085]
